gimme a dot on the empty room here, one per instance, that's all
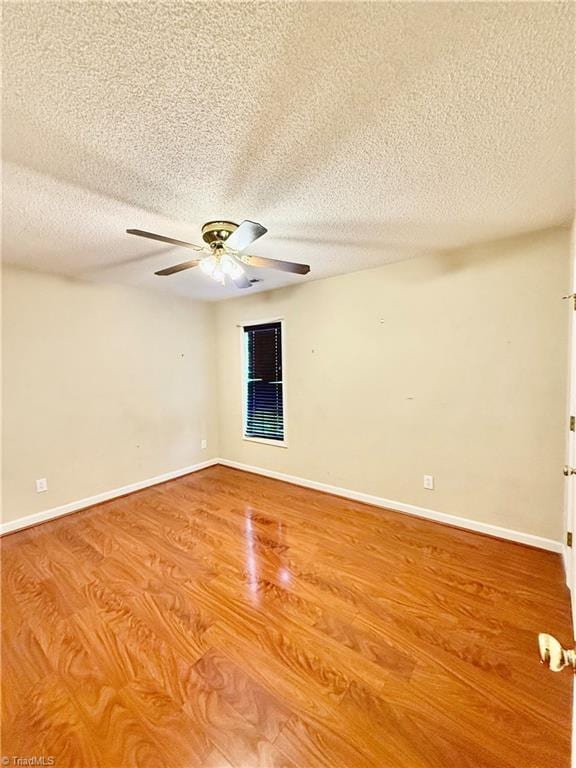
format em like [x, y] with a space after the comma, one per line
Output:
[288, 390]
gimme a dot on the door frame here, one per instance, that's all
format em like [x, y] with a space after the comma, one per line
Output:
[570, 450]
[570, 454]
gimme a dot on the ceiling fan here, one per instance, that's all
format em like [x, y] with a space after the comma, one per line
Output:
[223, 252]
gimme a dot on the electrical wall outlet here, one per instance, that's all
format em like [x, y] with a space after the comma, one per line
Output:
[204, 444]
[429, 482]
[41, 485]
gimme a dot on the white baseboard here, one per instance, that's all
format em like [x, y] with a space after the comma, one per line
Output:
[377, 501]
[74, 506]
[410, 509]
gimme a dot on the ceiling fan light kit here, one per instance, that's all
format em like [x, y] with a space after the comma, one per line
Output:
[224, 241]
[218, 266]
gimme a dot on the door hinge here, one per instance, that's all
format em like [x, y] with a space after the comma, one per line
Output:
[571, 296]
[572, 423]
[568, 538]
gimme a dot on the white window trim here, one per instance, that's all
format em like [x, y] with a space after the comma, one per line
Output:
[244, 381]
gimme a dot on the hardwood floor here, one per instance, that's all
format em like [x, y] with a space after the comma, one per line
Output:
[227, 620]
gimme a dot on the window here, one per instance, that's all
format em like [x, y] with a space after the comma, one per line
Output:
[264, 387]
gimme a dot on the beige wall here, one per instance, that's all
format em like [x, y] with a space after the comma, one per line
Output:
[102, 386]
[450, 365]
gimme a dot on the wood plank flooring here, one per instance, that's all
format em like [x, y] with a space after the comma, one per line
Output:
[225, 620]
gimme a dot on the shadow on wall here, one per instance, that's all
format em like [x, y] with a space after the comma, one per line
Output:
[462, 258]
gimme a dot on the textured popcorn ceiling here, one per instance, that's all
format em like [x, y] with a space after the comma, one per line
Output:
[358, 133]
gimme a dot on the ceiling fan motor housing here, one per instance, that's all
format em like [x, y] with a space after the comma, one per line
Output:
[215, 233]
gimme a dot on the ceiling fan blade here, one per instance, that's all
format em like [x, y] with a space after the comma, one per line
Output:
[244, 235]
[285, 266]
[241, 282]
[177, 268]
[163, 239]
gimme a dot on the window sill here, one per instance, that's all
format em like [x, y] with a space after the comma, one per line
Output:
[264, 441]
